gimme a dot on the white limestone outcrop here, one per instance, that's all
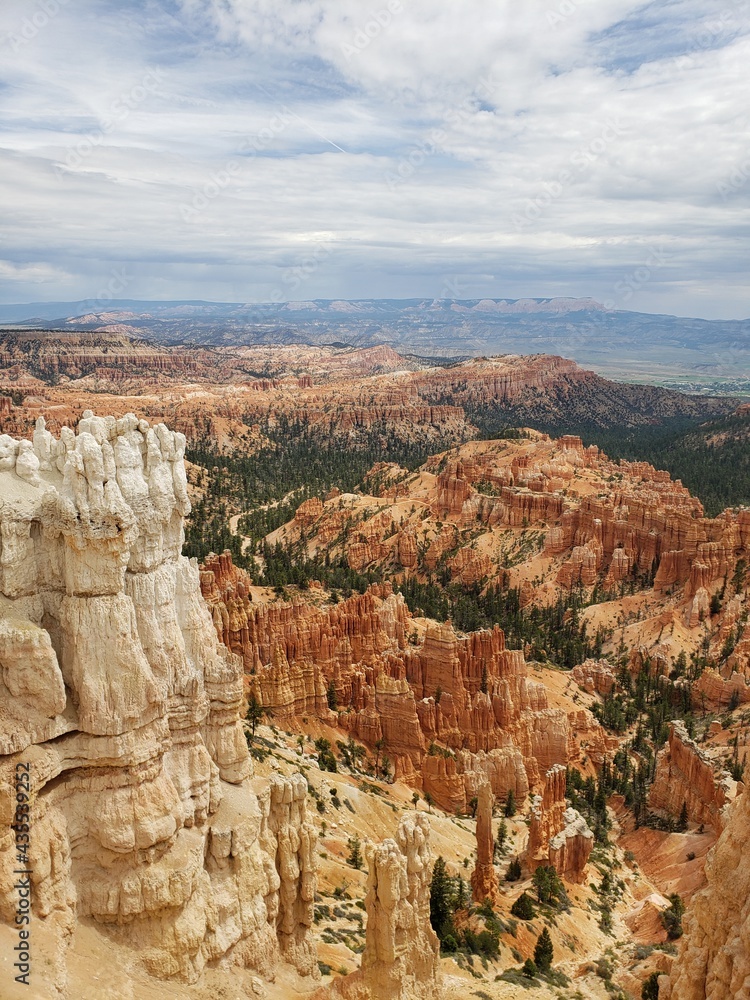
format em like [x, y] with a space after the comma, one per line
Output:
[116, 692]
[401, 960]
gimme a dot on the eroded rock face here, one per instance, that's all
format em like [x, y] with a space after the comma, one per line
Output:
[713, 962]
[401, 960]
[558, 836]
[685, 775]
[595, 676]
[468, 693]
[116, 692]
[484, 879]
[569, 849]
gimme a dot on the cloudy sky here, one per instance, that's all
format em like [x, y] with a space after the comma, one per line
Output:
[387, 148]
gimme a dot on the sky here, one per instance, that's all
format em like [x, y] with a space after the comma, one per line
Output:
[261, 150]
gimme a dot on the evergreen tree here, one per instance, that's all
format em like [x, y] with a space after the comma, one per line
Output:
[547, 883]
[255, 711]
[441, 895]
[461, 897]
[529, 969]
[543, 951]
[355, 852]
[333, 702]
[523, 908]
[672, 917]
[513, 873]
[650, 988]
[682, 823]
[510, 804]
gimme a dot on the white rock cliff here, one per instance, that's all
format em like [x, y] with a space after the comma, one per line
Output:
[117, 694]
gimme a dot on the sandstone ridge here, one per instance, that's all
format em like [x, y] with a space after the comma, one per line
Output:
[714, 958]
[452, 710]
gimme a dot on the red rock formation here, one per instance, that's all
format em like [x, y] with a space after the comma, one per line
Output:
[484, 883]
[558, 836]
[595, 676]
[599, 523]
[547, 811]
[407, 548]
[570, 849]
[684, 775]
[469, 694]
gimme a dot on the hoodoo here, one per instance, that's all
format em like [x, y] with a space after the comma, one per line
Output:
[120, 705]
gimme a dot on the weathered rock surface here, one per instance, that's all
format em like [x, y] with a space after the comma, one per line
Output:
[685, 775]
[117, 694]
[558, 835]
[713, 962]
[401, 960]
[484, 883]
[388, 686]
[595, 676]
[569, 850]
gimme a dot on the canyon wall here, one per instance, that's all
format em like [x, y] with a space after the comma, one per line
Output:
[453, 711]
[123, 710]
[713, 962]
[686, 776]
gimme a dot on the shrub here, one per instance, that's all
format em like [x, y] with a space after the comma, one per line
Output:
[523, 908]
[650, 990]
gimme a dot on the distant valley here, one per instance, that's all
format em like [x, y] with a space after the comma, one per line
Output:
[694, 355]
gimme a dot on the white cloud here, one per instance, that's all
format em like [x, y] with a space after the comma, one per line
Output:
[534, 148]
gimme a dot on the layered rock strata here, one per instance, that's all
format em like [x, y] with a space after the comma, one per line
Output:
[713, 962]
[401, 960]
[453, 711]
[117, 697]
[685, 776]
[558, 835]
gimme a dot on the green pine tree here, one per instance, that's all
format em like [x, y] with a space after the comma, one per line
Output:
[355, 852]
[333, 702]
[523, 908]
[514, 871]
[543, 951]
[441, 896]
